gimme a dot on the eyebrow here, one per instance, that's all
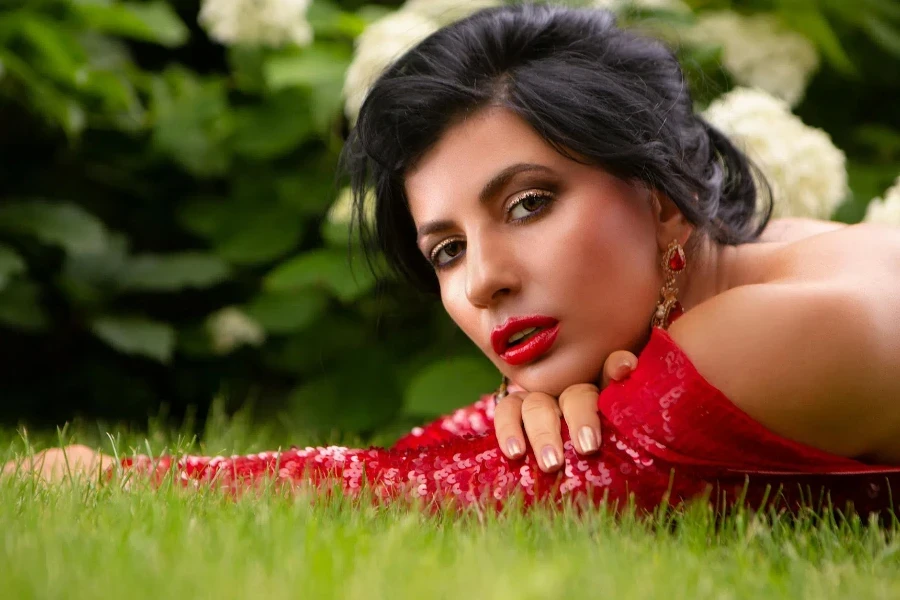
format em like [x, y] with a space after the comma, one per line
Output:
[490, 189]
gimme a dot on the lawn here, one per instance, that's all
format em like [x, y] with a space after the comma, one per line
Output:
[80, 540]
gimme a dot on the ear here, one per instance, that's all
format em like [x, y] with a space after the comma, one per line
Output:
[670, 223]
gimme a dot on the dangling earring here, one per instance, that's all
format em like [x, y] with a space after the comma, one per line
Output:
[669, 308]
[501, 392]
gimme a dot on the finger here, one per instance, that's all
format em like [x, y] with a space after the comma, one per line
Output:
[508, 425]
[540, 414]
[618, 366]
[514, 387]
[578, 404]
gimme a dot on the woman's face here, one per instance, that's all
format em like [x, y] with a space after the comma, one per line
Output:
[522, 237]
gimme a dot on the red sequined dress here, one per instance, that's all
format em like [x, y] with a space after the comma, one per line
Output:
[667, 435]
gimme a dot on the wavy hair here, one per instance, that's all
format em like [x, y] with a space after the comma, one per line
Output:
[613, 98]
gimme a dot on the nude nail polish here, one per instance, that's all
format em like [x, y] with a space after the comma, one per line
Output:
[513, 447]
[587, 439]
[551, 460]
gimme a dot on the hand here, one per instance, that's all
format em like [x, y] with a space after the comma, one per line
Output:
[540, 414]
[54, 464]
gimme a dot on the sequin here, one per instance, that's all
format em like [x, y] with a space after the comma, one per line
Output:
[664, 419]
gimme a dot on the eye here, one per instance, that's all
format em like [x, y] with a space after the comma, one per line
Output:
[446, 252]
[529, 205]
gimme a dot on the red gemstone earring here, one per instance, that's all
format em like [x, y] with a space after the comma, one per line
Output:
[669, 308]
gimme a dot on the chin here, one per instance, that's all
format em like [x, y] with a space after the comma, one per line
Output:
[556, 373]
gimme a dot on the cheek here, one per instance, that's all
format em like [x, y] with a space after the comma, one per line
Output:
[608, 259]
[458, 307]
[605, 247]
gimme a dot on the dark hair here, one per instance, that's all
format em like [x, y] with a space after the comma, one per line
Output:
[592, 90]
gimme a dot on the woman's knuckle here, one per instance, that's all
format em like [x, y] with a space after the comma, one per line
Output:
[580, 389]
[541, 437]
[534, 410]
[578, 394]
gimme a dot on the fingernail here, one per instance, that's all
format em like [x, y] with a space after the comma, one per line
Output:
[513, 447]
[551, 460]
[587, 439]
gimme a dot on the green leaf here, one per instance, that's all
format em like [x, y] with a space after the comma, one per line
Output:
[287, 312]
[884, 35]
[244, 231]
[57, 52]
[247, 64]
[306, 192]
[335, 335]
[273, 128]
[884, 140]
[887, 9]
[20, 306]
[327, 19]
[11, 264]
[867, 181]
[57, 223]
[320, 69]
[205, 216]
[136, 335]
[310, 68]
[171, 272]
[328, 269]
[146, 21]
[88, 278]
[336, 235]
[448, 384]
[344, 399]
[46, 99]
[99, 268]
[269, 233]
[813, 24]
[193, 121]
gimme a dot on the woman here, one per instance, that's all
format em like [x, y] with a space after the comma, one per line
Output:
[544, 173]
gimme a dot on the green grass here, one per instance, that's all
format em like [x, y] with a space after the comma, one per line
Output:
[79, 540]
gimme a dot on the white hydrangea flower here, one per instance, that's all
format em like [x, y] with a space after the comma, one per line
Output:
[619, 5]
[341, 211]
[885, 211]
[806, 170]
[443, 12]
[377, 47]
[257, 22]
[759, 52]
[230, 328]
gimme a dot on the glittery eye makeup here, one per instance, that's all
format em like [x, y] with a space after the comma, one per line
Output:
[445, 245]
[521, 210]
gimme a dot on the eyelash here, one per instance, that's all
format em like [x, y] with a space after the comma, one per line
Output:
[546, 197]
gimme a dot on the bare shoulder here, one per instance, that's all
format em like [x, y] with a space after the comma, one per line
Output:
[792, 229]
[808, 355]
[846, 251]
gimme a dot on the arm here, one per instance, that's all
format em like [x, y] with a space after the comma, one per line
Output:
[469, 421]
[669, 435]
[462, 472]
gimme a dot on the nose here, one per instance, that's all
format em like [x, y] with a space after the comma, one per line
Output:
[491, 271]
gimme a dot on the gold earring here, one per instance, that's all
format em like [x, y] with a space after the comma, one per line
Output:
[501, 391]
[669, 308]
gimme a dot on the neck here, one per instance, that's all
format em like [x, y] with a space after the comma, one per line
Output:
[712, 269]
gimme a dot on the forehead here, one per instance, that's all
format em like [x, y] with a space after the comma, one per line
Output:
[469, 154]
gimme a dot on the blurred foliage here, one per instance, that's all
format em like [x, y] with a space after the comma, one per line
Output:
[152, 178]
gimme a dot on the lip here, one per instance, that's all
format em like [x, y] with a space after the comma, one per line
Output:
[535, 347]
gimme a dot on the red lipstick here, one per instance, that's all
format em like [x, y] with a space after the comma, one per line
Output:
[530, 347]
